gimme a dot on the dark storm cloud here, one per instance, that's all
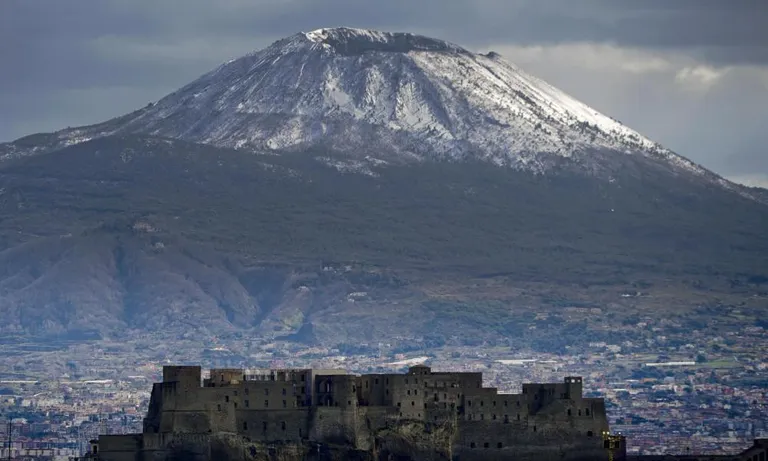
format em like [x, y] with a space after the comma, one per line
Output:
[723, 31]
[53, 43]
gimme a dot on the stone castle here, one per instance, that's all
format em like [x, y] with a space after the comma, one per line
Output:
[329, 414]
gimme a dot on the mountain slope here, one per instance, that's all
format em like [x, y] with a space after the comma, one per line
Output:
[131, 232]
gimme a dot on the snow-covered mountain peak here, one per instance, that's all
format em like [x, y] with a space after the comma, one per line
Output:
[392, 96]
[351, 41]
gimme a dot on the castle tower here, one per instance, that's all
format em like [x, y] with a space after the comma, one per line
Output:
[573, 388]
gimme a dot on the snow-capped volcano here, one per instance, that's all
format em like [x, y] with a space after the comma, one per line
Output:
[361, 91]
[388, 95]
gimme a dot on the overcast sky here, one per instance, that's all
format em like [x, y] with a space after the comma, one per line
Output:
[691, 74]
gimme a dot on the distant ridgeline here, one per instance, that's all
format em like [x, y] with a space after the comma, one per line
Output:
[307, 414]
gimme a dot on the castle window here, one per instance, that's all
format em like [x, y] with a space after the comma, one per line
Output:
[354, 388]
[282, 425]
[266, 403]
[445, 404]
[285, 404]
[366, 384]
[494, 403]
[485, 445]
[589, 433]
[386, 391]
[349, 402]
[266, 391]
[415, 380]
[518, 404]
[415, 392]
[472, 445]
[499, 445]
[218, 406]
[413, 404]
[569, 412]
[506, 419]
[445, 396]
[493, 417]
[376, 381]
[226, 398]
[235, 405]
[264, 426]
[587, 410]
[534, 428]
[518, 416]
[481, 403]
[247, 404]
[409, 392]
[425, 404]
[302, 377]
[387, 381]
[245, 426]
[579, 411]
[398, 404]
[406, 380]
[469, 403]
[235, 392]
[284, 391]
[482, 416]
[246, 391]
[506, 403]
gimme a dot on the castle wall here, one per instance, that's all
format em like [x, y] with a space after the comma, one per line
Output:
[225, 377]
[336, 391]
[156, 447]
[151, 422]
[189, 376]
[274, 425]
[466, 381]
[482, 440]
[334, 425]
[271, 395]
[408, 395]
[374, 390]
[120, 447]
[221, 415]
